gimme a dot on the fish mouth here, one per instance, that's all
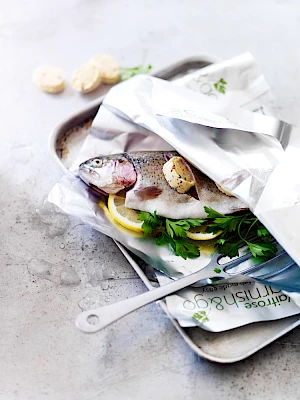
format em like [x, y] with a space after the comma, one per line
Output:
[87, 173]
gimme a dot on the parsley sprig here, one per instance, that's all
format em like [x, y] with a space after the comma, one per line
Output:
[171, 232]
[238, 230]
[130, 72]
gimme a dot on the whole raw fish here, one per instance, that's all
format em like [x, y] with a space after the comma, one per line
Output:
[141, 175]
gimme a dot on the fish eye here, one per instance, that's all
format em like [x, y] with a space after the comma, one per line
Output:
[97, 162]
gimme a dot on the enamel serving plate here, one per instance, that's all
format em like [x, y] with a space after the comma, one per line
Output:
[222, 347]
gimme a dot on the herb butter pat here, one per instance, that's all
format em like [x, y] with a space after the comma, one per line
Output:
[178, 174]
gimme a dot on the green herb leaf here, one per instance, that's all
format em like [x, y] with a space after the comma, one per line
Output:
[212, 213]
[151, 221]
[262, 231]
[177, 228]
[230, 249]
[195, 222]
[262, 249]
[163, 239]
[186, 249]
[217, 270]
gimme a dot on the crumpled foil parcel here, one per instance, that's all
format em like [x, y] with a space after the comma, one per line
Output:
[222, 119]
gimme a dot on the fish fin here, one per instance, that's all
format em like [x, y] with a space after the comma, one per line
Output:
[193, 192]
[148, 193]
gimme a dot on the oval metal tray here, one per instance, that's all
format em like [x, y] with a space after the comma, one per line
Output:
[222, 347]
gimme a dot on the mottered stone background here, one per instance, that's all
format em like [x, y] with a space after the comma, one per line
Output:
[53, 266]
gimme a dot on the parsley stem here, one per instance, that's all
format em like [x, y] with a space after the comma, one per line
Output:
[239, 228]
[251, 226]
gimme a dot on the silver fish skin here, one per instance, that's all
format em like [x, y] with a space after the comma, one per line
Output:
[141, 175]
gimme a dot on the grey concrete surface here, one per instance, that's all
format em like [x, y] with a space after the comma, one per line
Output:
[42, 354]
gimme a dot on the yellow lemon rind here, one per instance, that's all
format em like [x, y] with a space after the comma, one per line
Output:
[202, 235]
[126, 223]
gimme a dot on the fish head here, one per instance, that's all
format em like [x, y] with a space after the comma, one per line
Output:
[109, 174]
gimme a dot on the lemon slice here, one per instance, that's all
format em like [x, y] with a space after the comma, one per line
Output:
[125, 216]
[198, 233]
